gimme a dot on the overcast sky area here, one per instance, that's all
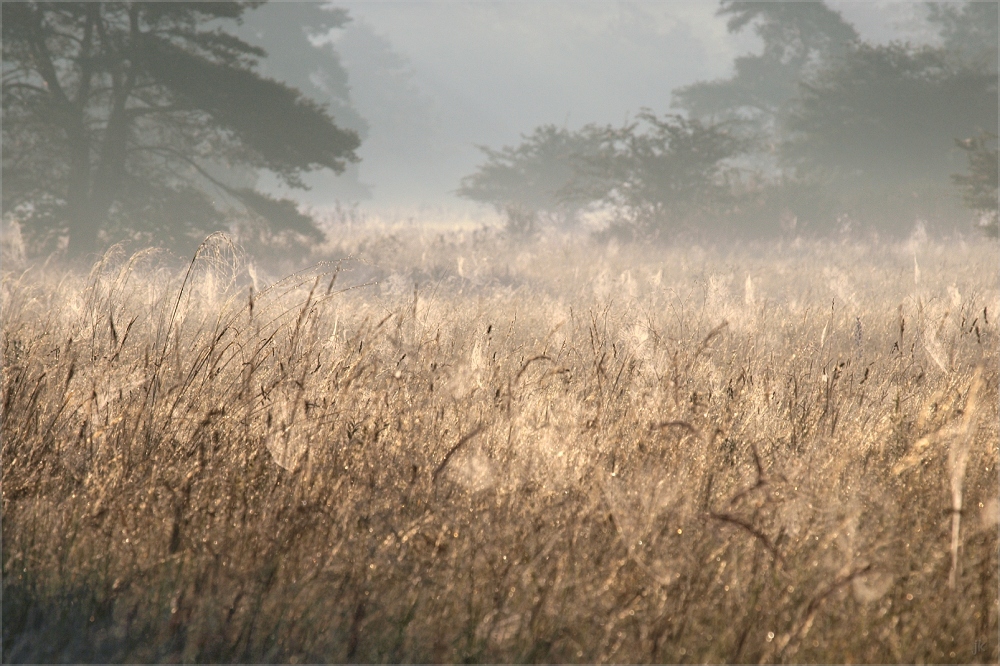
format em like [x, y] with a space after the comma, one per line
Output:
[451, 75]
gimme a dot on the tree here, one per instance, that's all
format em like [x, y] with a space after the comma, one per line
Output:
[663, 175]
[969, 31]
[533, 178]
[406, 122]
[846, 127]
[880, 125]
[296, 36]
[890, 111]
[123, 119]
[658, 175]
[979, 186]
[799, 38]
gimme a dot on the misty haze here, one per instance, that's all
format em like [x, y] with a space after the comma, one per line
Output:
[500, 332]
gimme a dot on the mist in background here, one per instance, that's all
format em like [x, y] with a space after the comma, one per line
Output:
[161, 123]
[433, 80]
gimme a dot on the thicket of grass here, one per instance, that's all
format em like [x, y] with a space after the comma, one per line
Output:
[557, 452]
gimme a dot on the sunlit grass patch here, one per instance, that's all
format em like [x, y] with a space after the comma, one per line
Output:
[499, 452]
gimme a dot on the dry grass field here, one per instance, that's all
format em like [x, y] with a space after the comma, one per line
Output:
[451, 447]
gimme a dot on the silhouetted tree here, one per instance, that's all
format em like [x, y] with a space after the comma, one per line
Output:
[663, 174]
[869, 128]
[979, 185]
[658, 175]
[121, 119]
[533, 178]
[799, 39]
[300, 53]
[405, 131]
[890, 111]
[880, 127]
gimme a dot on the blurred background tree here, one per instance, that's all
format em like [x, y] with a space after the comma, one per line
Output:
[799, 39]
[979, 185]
[657, 174]
[662, 175]
[299, 54]
[968, 31]
[139, 120]
[533, 179]
[852, 130]
[878, 128]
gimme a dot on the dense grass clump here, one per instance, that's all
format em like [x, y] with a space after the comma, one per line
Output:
[453, 448]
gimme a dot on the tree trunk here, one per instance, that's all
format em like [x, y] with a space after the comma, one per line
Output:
[82, 224]
[90, 213]
[93, 190]
[85, 225]
[97, 193]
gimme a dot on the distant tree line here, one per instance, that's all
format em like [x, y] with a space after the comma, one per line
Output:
[818, 129]
[152, 122]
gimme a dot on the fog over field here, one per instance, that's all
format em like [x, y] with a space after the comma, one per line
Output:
[484, 73]
[740, 119]
[500, 332]
[436, 79]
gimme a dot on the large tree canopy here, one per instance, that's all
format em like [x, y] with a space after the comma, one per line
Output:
[799, 38]
[891, 112]
[125, 119]
[879, 129]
